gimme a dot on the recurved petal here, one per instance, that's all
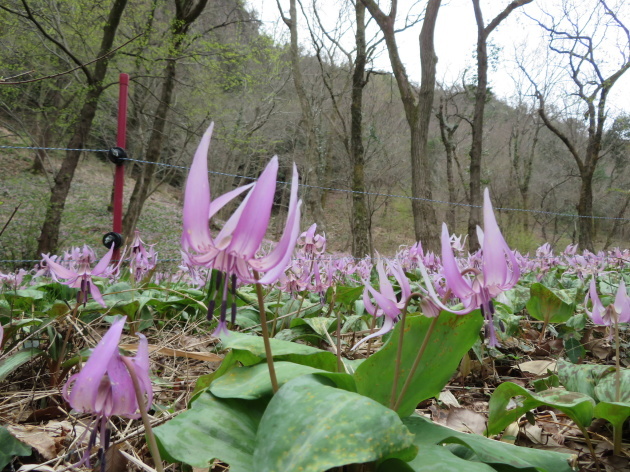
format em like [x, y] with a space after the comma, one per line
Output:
[385, 285]
[252, 225]
[598, 307]
[85, 385]
[124, 402]
[388, 324]
[196, 232]
[388, 306]
[275, 263]
[58, 270]
[104, 262]
[96, 293]
[220, 202]
[494, 263]
[141, 363]
[367, 302]
[454, 279]
[622, 303]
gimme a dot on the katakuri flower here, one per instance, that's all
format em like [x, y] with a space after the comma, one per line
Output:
[104, 387]
[82, 277]
[386, 301]
[499, 271]
[232, 252]
[616, 312]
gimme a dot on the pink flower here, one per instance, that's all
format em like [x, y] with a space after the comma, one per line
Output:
[616, 312]
[499, 271]
[104, 387]
[232, 252]
[82, 277]
[386, 301]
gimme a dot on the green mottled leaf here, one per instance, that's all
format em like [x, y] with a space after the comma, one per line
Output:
[574, 349]
[281, 350]
[452, 337]
[311, 427]
[605, 388]
[250, 383]
[577, 406]
[213, 428]
[583, 377]
[473, 452]
[545, 305]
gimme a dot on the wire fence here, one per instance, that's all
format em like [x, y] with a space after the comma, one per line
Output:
[331, 189]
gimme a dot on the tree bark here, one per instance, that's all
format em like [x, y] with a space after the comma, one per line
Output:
[313, 159]
[360, 217]
[49, 236]
[481, 94]
[417, 112]
[187, 11]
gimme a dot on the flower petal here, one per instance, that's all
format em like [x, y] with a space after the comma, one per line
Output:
[460, 287]
[254, 220]
[275, 263]
[86, 384]
[196, 233]
[104, 262]
[388, 324]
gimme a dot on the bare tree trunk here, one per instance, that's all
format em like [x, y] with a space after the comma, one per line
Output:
[360, 217]
[446, 134]
[481, 93]
[186, 13]
[417, 111]
[313, 196]
[49, 236]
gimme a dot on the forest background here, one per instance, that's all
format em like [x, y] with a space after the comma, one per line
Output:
[385, 152]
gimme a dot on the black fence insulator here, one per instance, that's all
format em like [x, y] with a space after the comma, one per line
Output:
[113, 238]
[117, 155]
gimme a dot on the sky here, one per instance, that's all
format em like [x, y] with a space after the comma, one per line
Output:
[455, 42]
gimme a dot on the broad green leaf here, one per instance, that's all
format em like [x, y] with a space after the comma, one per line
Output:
[346, 295]
[581, 378]
[253, 382]
[16, 360]
[213, 428]
[517, 297]
[311, 427]
[481, 450]
[614, 412]
[246, 317]
[452, 337]
[577, 406]
[203, 382]
[432, 458]
[574, 349]
[320, 324]
[281, 350]
[605, 388]
[118, 294]
[10, 447]
[545, 305]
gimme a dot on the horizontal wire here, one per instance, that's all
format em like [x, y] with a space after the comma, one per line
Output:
[333, 189]
[53, 149]
[390, 195]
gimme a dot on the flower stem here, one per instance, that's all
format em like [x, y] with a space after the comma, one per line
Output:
[155, 453]
[265, 333]
[617, 364]
[416, 362]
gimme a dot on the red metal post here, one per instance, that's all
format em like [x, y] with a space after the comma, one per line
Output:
[121, 141]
